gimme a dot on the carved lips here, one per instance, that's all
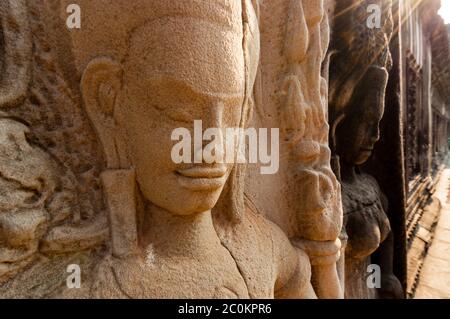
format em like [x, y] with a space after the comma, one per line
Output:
[202, 178]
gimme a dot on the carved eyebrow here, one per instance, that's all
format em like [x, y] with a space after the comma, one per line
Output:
[223, 96]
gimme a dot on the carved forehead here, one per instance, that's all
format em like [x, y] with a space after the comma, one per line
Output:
[205, 55]
[107, 24]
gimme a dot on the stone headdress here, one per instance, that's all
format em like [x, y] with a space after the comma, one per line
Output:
[356, 46]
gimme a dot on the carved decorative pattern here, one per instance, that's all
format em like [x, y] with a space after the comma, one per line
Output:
[413, 148]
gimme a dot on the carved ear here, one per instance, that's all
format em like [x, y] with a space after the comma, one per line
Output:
[334, 125]
[100, 85]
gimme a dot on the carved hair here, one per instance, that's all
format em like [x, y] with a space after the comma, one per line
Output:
[352, 54]
[232, 202]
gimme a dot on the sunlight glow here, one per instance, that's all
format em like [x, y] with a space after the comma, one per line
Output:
[444, 12]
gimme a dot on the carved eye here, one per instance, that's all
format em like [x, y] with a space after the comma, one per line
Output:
[178, 105]
[180, 114]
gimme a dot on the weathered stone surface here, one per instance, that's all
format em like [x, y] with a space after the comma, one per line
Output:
[174, 230]
[358, 80]
[291, 94]
[89, 118]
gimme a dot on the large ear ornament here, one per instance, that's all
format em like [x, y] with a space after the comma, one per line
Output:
[100, 84]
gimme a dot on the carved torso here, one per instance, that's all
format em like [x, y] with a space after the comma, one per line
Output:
[365, 219]
[367, 226]
[136, 277]
[55, 211]
[249, 261]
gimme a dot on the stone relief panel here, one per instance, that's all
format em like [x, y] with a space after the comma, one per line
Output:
[291, 94]
[86, 124]
[51, 201]
[86, 155]
[413, 128]
[180, 224]
[360, 60]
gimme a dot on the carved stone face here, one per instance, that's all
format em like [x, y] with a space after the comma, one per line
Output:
[363, 133]
[357, 135]
[179, 70]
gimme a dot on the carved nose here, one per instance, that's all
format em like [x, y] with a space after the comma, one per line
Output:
[213, 115]
[213, 142]
[214, 146]
[375, 136]
[209, 146]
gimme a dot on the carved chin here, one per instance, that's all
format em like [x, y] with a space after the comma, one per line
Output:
[363, 156]
[190, 203]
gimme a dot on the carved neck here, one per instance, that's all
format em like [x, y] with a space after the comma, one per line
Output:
[174, 235]
[348, 172]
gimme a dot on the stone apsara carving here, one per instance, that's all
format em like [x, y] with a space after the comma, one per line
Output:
[86, 175]
[291, 94]
[178, 230]
[358, 79]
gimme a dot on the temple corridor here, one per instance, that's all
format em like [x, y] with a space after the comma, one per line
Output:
[434, 278]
